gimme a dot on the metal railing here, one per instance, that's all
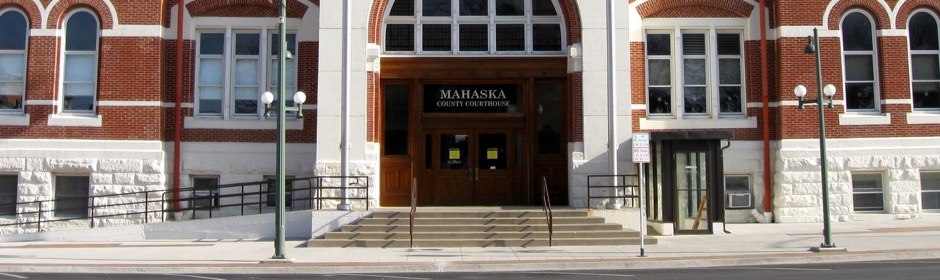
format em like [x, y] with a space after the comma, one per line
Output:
[547, 208]
[241, 199]
[623, 187]
[414, 208]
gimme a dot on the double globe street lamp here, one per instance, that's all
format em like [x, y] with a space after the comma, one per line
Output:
[279, 215]
[812, 46]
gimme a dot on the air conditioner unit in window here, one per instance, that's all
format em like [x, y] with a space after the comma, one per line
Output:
[739, 200]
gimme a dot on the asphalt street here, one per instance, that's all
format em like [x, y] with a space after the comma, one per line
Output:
[902, 269]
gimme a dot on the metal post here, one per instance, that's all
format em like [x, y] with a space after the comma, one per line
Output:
[827, 231]
[612, 101]
[279, 227]
[344, 154]
[642, 185]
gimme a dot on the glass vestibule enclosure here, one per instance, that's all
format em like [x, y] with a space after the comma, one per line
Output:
[684, 179]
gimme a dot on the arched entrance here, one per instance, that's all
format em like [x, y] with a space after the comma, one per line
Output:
[473, 101]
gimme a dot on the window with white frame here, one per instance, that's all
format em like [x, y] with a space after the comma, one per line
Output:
[205, 192]
[474, 27]
[925, 61]
[8, 193]
[930, 190]
[867, 192]
[702, 70]
[231, 80]
[271, 191]
[80, 66]
[71, 196]
[858, 55]
[13, 39]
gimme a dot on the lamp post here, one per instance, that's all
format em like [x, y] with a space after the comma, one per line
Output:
[812, 46]
[267, 98]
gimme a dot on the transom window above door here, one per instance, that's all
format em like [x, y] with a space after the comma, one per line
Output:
[473, 27]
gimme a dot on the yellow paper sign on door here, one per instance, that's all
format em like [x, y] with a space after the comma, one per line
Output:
[492, 153]
[454, 153]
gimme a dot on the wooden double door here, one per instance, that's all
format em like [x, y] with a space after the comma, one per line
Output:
[472, 166]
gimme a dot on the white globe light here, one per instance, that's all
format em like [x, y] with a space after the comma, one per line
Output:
[829, 90]
[267, 97]
[800, 91]
[300, 97]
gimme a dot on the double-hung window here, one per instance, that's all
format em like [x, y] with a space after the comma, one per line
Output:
[205, 192]
[858, 50]
[71, 196]
[925, 61]
[701, 70]
[80, 66]
[474, 27]
[867, 192]
[232, 75]
[8, 194]
[930, 191]
[13, 39]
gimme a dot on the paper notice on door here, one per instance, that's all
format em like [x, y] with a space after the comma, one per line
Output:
[492, 153]
[454, 153]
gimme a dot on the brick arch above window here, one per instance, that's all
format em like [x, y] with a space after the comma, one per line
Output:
[62, 8]
[693, 8]
[908, 8]
[876, 10]
[28, 7]
[244, 8]
[569, 10]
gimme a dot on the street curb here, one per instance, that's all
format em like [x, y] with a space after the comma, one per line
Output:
[475, 266]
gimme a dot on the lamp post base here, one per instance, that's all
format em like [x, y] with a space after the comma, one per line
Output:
[278, 260]
[822, 248]
[344, 206]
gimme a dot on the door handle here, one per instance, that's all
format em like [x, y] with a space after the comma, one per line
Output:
[477, 173]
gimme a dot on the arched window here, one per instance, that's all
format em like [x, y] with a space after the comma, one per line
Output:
[860, 74]
[13, 40]
[925, 61]
[474, 27]
[80, 66]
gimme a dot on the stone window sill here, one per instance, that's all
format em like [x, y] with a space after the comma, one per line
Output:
[15, 120]
[864, 119]
[923, 118]
[269, 123]
[748, 122]
[75, 120]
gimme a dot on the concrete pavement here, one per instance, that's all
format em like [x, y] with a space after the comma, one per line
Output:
[747, 244]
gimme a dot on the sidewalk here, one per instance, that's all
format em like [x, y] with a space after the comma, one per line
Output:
[748, 244]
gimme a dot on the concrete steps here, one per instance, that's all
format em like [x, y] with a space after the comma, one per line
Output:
[479, 228]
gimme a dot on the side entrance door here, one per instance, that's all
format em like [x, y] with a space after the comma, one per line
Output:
[473, 166]
[692, 192]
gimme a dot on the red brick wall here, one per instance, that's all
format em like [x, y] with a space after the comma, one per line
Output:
[307, 69]
[128, 70]
[909, 6]
[695, 8]
[62, 8]
[871, 6]
[244, 8]
[28, 8]
[752, 86]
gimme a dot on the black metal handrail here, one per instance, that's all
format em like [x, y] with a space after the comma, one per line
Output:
[306, 194]
[613, 183]
[547, 208]
[414, 208]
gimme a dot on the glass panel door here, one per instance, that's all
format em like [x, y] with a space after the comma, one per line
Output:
[692, 190]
